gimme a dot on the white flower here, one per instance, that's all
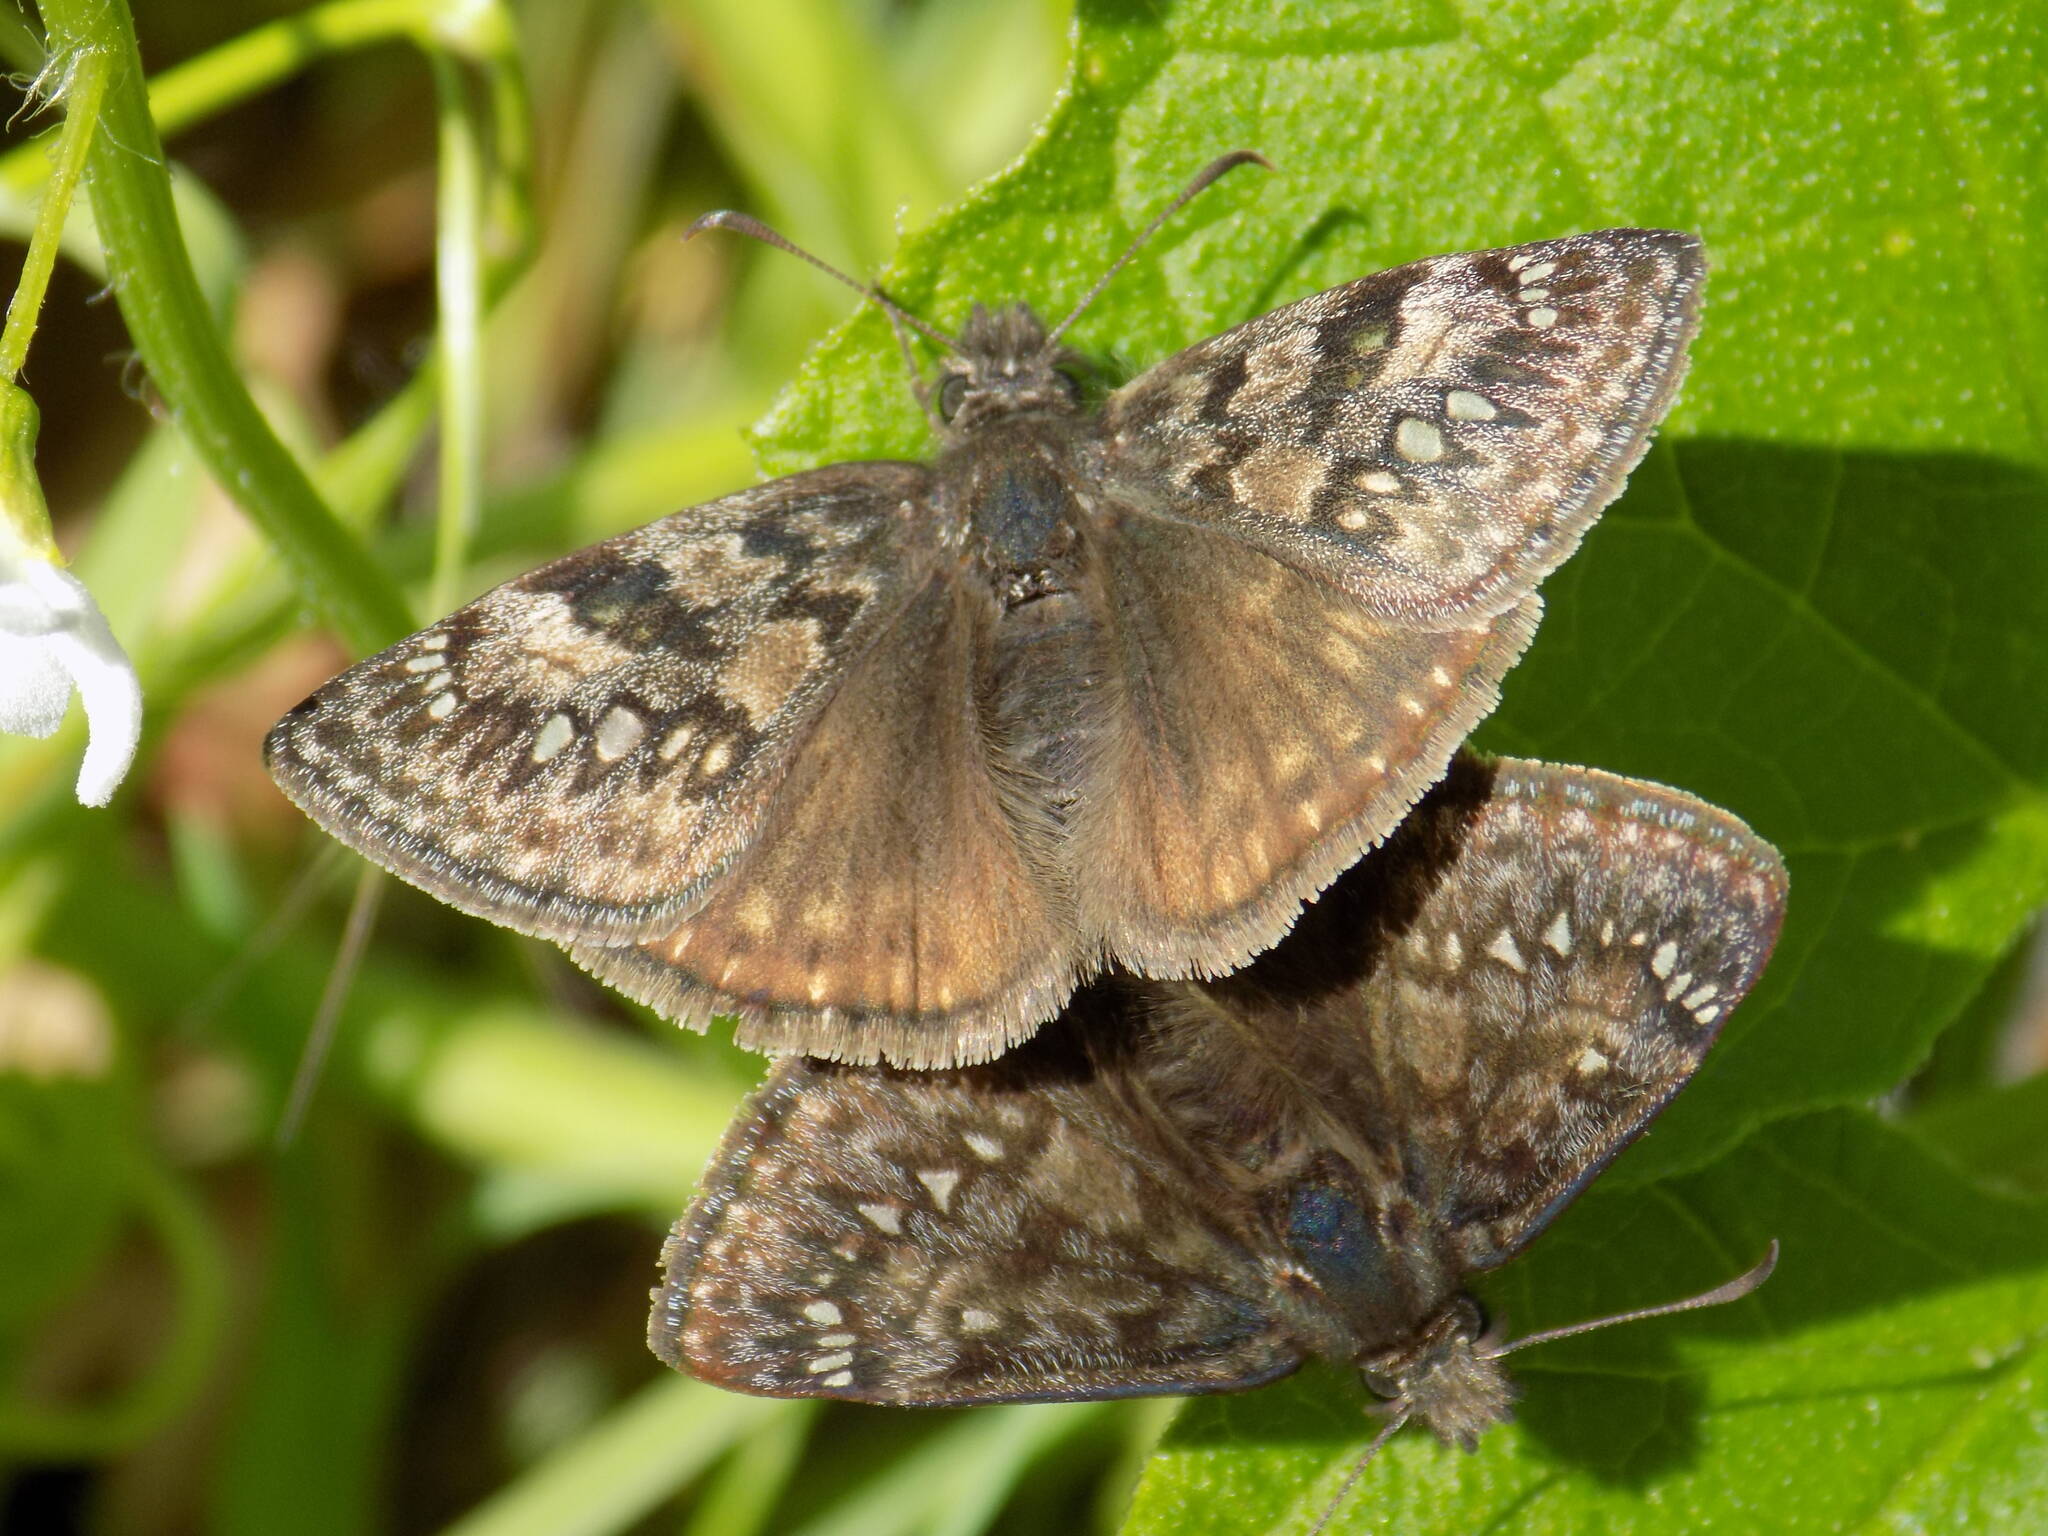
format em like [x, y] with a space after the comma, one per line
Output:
[52, 639]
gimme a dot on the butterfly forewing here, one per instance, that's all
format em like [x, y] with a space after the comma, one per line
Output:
[582, 751]
[1217, 1179]
[1543, 956]
[1434, 438]
[989, 1234]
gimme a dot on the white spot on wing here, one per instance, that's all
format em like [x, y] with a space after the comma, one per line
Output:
[442, 706]
[987, 1148]
[1464, 405]
[1559, 934]
[1418, 441]
[975, 1320]
[823, 1313]
[619, 733]
[1503, 949]
[837, 1379]
[886, 1217]
[838, 1360]
[1664, 958]
[940, 1181]
[552, 737]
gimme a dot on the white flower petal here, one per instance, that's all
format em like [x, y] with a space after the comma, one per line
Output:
[35, 688]
[52, 638]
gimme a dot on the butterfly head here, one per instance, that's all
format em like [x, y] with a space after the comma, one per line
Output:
[1447, 1374]
[1004, 365]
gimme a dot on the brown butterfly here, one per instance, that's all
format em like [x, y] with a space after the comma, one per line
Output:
[1194, 1186]
[886, 757]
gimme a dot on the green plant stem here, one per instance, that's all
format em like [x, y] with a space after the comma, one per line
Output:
[458, 285]
[200, 1265]
[181, 344]
[82, 95]
[265, 55]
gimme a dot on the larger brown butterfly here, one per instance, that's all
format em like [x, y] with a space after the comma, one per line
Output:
[884, 758]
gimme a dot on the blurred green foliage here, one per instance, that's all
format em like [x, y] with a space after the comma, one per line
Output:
[1823, 603]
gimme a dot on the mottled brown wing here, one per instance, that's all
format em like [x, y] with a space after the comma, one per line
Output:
[1435, 438]
[895, 904]
[997, 1234]
[1497, 1001]
[1256, 730]
[581, 752]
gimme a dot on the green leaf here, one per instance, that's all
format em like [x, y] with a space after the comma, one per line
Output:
[1908, 1319]
[1823, 603]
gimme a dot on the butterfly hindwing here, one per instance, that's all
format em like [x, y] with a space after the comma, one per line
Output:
[1434, 438]
[899, 902]
[989, 1234]
[579, 753]
[1261, 730]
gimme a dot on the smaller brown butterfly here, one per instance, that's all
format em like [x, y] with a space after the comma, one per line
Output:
[1192, 1187]
[885, 758]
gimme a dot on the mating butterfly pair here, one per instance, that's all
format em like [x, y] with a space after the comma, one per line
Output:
[888, 758]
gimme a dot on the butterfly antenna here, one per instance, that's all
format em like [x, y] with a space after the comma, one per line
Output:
[1720, 1295]
[754, 229]
[1209, 173]
[1394, 1422]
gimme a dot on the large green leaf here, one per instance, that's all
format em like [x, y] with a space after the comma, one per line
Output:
[1824, 600]
[1823, 603]
[1890, 1376]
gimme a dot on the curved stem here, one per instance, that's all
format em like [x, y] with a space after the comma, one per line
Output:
[182, 347]
[201, 1268]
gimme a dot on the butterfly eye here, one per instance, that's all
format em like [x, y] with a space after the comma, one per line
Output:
[952, 395]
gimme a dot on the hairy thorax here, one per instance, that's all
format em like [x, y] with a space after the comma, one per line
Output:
[1016, 486]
